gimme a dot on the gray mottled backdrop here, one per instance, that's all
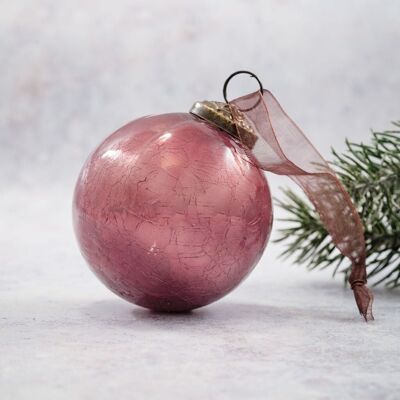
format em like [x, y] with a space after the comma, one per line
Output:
[71, 72]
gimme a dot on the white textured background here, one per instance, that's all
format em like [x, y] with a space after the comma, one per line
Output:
[71, 72]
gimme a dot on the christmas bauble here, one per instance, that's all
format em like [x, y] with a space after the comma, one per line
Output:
[171, 213]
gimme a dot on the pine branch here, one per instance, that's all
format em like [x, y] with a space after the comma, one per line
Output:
[371, 174]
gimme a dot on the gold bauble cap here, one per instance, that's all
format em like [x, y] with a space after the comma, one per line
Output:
[219, 115]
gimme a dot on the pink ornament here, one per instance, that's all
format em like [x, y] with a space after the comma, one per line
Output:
[171, 213]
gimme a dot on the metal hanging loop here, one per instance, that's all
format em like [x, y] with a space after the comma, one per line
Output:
[225, 87]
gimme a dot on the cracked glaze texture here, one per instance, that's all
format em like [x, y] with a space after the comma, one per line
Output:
[171, 213]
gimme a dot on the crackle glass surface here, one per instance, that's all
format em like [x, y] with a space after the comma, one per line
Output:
[171, 213]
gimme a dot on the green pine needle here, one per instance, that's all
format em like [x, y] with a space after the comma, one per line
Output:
[371, 174]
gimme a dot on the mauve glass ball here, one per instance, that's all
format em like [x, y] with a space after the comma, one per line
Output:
[171, 213]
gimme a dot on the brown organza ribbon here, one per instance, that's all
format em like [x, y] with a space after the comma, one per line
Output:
[282, 148]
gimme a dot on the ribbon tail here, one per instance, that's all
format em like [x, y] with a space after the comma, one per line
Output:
[362, 293]
[364, 299]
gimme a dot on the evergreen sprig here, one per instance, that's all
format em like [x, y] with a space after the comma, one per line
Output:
[371, 174]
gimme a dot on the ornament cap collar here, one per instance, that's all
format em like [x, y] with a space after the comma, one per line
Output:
[219, 114]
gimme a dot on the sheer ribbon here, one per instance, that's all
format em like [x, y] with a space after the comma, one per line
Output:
[282, 148]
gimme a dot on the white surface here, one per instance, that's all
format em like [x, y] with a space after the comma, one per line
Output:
[72, 72]
[283, 334]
